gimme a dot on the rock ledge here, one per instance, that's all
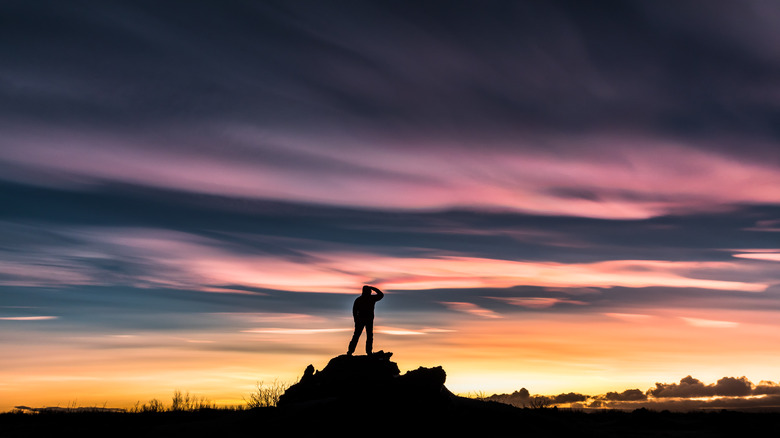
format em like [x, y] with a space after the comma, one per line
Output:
[368, 380]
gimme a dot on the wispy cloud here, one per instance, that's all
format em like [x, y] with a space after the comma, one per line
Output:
[183, 260]
[27, 318]
[709, 323]
[629, 317]
[397, 331]
[765, 255]
[538, 302]
[296, 331]
[518, 179]
[471, 309]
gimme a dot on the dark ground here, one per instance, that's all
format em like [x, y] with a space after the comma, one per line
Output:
[482, 419]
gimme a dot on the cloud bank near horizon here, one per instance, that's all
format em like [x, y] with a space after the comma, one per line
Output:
[689, 394]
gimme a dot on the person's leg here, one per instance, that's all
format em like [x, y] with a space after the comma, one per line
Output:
[369, 338]
[355, 337]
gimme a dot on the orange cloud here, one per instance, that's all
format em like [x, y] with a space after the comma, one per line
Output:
[708, 323]
[630, 317]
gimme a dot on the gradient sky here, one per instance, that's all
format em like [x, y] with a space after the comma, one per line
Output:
[562, 196]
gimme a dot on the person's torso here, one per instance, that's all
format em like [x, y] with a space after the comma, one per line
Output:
[364, 307]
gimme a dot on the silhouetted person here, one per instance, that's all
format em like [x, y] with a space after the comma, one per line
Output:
[363, 313]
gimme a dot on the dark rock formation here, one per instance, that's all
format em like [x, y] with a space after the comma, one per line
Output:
[368, 381]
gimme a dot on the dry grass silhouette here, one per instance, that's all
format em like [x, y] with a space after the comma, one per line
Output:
[180, 402]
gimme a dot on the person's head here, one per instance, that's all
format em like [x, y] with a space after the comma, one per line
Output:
[366, 290]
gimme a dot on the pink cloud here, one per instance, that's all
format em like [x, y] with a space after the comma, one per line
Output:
[623, 177]
[765, 255]
[481, 272]
[27, 318]
[174, 259]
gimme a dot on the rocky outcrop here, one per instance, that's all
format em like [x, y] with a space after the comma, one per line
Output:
[372, 380]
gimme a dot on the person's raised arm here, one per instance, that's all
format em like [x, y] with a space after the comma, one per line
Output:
[379, 293]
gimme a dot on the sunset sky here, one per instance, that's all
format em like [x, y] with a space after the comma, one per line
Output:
[562, 196]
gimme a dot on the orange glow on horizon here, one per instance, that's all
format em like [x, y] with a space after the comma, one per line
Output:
[546, 353]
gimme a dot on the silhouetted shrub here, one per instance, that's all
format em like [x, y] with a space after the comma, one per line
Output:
[266, 395]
